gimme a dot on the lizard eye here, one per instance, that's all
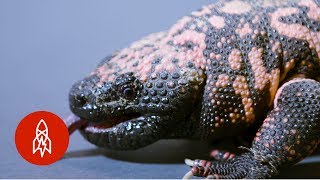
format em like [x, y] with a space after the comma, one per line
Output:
[128, 93]
[190, 45]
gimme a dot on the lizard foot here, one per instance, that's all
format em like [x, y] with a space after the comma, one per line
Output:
[221, 155]
[244, 166]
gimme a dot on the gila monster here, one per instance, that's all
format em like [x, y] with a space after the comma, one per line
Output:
[229, 68]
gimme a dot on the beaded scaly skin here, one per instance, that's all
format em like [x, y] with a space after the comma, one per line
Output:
[219, 72]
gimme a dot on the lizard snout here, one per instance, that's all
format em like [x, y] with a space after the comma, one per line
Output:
[82, 98]
[79, 98]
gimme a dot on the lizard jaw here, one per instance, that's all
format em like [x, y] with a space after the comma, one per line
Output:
[131, 133]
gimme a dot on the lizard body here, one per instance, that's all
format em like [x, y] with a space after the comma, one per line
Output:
[215, 73]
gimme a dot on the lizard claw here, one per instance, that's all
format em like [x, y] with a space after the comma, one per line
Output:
[244, 166]
[188, 175]
[189, 162]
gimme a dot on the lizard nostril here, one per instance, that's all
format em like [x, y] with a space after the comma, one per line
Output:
[81, 100]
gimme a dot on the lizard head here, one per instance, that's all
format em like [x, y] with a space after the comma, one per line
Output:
[93, 101]
[142, 93]
[128, 112]
[119, 113]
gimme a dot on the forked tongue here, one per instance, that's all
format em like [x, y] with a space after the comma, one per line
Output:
[73, 123]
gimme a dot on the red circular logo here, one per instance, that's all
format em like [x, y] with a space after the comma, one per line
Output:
[42, 138]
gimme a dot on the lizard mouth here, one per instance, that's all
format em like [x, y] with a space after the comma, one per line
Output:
[128, 132]
[110, 122]
[74, 123]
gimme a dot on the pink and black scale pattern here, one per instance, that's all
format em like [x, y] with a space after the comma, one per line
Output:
[221, 71]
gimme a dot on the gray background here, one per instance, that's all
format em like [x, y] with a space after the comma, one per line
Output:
[45, 46]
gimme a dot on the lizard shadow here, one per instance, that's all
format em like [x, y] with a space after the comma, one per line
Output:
[161, 152]
[175, 151]
[301, 171]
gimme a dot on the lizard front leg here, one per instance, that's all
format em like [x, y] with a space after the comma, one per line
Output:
[289, 133]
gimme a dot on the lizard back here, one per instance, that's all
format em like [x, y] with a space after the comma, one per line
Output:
[252, 47]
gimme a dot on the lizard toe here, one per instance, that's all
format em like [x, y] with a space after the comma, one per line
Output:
[244, 166]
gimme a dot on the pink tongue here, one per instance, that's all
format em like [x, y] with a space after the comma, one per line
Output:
[73, 123]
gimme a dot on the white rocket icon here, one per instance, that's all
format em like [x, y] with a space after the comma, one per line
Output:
[42, 142]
